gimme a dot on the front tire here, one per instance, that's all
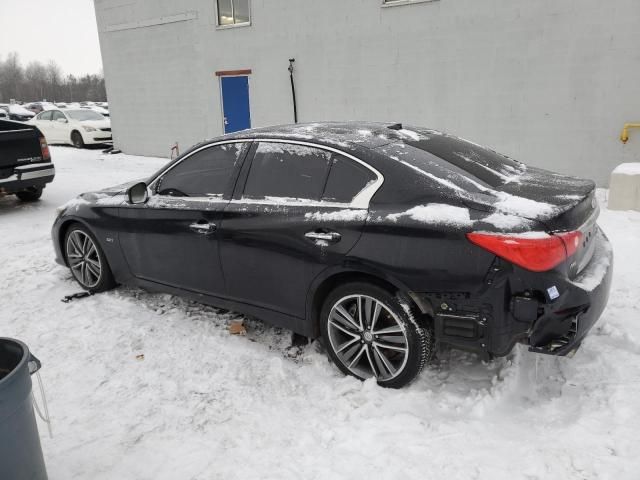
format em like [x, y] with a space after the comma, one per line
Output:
[369, 332]
[30, 195]
[76, 139]
[86, 260]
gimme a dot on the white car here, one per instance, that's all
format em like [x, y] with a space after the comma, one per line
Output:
[78, 127]
[102, 111]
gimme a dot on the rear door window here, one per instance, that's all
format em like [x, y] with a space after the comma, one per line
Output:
[46, 115]
[287, 171]
[207, 173]
[346, 179]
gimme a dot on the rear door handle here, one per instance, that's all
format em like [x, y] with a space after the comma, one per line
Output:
[331, 237]
[203, 227]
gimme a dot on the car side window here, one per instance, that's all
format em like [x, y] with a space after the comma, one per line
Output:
[57, 115]
[287, 171]
[346, 179]
[45, 115]
[206, 173]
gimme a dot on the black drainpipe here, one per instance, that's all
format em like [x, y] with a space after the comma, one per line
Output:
[293, 90]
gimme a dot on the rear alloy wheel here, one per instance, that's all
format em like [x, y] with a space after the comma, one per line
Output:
[368, 334]
[76, 139]
[30, 195]
[86, 260]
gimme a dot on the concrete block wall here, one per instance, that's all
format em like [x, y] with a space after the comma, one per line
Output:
[549, 83]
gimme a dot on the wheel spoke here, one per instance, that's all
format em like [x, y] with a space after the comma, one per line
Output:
[385, 361]
[371, 365]
[93, 270]
[346, 344]
[344, 330]
[346, 316]
[376, 314]
[360, 313]
[357, 357]
[393, 329]
[391, 339]
[76, 264]
[390, 347]
[83, 272]
[75, 243]
[84, 244]
[93, 262]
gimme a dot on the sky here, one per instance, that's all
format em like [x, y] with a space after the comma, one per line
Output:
[60, 30]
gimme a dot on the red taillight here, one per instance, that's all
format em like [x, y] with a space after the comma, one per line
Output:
[571, 241]
[535, 252]
[46, 155]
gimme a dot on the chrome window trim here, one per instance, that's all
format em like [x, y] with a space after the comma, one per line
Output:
[360, 201]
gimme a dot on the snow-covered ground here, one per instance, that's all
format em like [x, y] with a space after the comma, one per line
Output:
[147, 386]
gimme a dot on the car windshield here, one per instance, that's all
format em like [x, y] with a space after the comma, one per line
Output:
[82, 115]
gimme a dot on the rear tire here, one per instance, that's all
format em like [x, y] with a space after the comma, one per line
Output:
[76, 139]
[370, 332]
[31, 195]
[86, 260]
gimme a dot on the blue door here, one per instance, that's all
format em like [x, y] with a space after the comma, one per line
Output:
[235, 103]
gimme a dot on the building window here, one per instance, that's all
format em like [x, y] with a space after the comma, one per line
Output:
[233, 12]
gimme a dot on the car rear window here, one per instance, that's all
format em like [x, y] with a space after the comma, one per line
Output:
[490, 167]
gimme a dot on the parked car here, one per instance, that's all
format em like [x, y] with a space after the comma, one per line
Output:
[4, 114]
[78, 127]
[95, 108]
[17, 112]
[381, 239]
[25, 161]
[37, 107]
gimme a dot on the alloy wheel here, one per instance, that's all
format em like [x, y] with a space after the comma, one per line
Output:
[83, 258]
[367, 337]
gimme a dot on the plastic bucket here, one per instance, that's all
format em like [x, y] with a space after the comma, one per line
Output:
[20, 451]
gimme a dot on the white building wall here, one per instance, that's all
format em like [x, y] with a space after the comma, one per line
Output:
[547, 82]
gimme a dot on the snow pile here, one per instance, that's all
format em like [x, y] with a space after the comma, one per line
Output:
[628, 169]
[516, 205]
[343, 215]
[145, 386]
[436, 214]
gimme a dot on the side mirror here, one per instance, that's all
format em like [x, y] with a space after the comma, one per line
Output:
[138, 193]
[62, 120]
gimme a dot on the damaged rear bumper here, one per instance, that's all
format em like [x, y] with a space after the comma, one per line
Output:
[566, 321]
[547, 311]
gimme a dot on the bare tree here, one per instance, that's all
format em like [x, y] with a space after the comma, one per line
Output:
[39, 81]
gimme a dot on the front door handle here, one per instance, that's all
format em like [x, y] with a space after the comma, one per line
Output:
[203, 227]
[331, 237]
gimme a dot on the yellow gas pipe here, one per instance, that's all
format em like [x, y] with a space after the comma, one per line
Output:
[624, 136]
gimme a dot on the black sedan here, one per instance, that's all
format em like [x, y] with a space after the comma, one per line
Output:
[380, 239]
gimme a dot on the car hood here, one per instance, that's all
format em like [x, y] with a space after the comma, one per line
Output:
[95, 123]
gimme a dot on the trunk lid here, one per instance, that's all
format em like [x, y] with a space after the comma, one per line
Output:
[19, 145]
